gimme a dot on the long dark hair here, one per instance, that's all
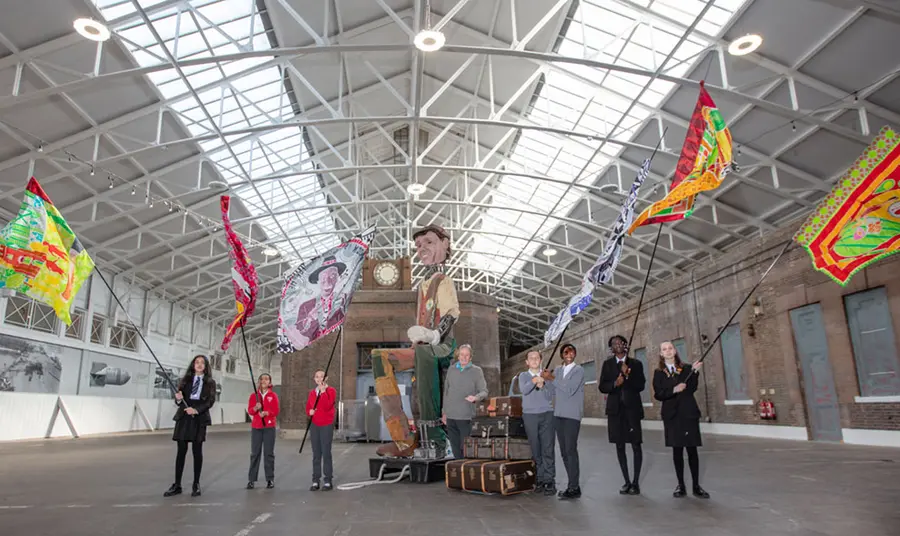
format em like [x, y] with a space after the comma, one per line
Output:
[662, 360]
[188, 378]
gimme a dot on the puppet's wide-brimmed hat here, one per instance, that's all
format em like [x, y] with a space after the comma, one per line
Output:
[329, 262]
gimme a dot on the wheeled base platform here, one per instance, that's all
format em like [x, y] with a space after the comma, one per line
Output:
[421, 471]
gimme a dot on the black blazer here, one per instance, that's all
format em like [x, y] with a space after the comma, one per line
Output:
[203, 405]
[627, 397]
[676, 405]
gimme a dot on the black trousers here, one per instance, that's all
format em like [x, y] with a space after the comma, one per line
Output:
[539, 429]
[567, 435]
[181, 455]
[321, 437]
[262, 439]
[457, 430]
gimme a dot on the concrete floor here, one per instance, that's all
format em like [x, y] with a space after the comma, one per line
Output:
[114, 485]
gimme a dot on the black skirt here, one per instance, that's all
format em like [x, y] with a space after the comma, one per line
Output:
[682, 433]
[625, 428]
[188, 428]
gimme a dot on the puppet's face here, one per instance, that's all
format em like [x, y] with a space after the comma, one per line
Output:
[432, 249]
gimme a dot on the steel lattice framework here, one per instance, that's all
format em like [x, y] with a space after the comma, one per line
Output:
[524, 130]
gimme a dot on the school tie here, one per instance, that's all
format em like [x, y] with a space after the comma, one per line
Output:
[195, 390]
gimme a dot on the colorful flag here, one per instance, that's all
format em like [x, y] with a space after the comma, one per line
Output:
[41, 256]
[602, 271]
[316, 295]
[859, 222]
[704, 162]
[243, 276]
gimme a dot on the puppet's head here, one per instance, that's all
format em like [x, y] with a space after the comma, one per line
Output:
[432, 245]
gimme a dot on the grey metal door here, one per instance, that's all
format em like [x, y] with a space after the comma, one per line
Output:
[818, 381]
[874, 346]
[733, 358]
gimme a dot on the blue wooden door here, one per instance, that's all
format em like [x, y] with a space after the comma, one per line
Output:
[818, 382]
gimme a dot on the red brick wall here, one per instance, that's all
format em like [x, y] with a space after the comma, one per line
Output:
[716, 288]
[384, 316]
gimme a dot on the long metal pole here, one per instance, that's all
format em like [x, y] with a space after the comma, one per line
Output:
[316, 404]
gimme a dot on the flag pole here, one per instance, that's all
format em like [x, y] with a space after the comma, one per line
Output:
[138, 330]
[644, 287]
[316, 404]
[746, 298]
[249, 365]
[558, 341]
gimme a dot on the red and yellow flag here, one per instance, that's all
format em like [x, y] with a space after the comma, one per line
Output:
[859, 222]
[704, 162]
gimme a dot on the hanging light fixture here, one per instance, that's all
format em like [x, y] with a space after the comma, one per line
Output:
[549, 252]
[416, 189]
[91, 29]
[270, 252]
[429, 40]
[745, 45]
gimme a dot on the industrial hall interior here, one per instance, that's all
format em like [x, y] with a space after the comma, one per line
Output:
[474, 267]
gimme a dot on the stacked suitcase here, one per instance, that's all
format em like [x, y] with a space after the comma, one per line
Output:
[497, 456]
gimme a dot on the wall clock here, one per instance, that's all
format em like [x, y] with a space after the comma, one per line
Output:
[386, 274]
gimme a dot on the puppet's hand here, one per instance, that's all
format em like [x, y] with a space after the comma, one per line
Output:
[418, 334]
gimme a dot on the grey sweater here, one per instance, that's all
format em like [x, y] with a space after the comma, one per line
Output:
[457, 386]
[569, 392]
[534, 400]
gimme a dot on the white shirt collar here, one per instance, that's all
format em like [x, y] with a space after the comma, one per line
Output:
[567, 368]
[620, 360]
[533, 373]
[670, 367]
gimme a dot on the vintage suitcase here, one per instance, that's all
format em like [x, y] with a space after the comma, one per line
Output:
[508, 477]
[478, 447]
[456, 469]
[497, 427]
[473, 475]
[509, 448]
[500, 406]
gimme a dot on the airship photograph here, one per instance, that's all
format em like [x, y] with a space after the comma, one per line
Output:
[103, 375]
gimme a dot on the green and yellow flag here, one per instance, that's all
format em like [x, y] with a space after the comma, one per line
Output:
[859, 222]
[704, 162]
[40, 256]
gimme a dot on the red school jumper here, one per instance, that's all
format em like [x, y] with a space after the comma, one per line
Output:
[269, 403]
[325, 409]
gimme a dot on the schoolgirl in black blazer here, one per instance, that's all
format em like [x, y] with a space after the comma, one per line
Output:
[195, 396]
[674, 384]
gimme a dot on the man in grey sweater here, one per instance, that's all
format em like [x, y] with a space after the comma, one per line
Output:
[568, 409]
[464, 387]
[537, 415]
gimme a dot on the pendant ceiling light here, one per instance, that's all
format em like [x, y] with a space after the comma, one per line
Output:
[745, 45]
[91, 29]
[429, 40]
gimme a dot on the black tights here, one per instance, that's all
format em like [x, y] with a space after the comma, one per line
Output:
[693, 462]
[623, 461]
[197, 448]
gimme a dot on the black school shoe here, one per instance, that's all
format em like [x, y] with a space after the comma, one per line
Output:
[700, 492]
[571, 493]
[550, 489]
[250, 485]
[625, 489]
[175, 489]
[195, 490]
[270, 484]
[315, 486]
[679, 492]
[327, 486]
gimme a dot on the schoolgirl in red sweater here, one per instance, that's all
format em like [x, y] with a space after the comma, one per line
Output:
[263, 408]
[322, 429]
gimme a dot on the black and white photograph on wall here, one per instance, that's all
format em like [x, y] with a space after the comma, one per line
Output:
[102, 375]
[30, 366]
[161, 386]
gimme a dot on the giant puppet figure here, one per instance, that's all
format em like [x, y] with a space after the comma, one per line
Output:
[433, 347]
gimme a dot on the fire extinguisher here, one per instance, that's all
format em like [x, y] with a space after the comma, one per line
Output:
[771, 409]
[763, 407]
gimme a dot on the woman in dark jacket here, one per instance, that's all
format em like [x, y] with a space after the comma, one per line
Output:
[675, 384]
[195, 396]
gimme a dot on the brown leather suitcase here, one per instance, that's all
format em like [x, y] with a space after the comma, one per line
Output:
[498, 427]
[473, 475]
[510, 448]
[508, 477]
[477, 447]
[500, 406]
[456, 469]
